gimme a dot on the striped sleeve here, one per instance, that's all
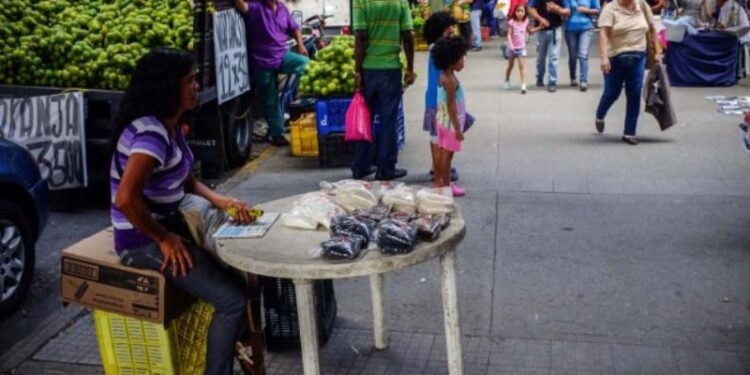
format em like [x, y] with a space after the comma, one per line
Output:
[151, 144]
[406, 22]
[359, 22]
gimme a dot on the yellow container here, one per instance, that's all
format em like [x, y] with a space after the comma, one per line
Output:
[131, 346]
[304, 133]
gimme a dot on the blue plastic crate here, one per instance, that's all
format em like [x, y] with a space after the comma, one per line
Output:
[331, 115]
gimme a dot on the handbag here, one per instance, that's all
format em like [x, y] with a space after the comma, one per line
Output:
[651, 48]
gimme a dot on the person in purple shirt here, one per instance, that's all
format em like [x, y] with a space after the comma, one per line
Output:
[150, 175]
[269, 26]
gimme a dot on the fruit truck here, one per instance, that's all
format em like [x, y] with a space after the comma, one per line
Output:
[48, 47]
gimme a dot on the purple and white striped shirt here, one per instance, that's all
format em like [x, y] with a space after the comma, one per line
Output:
[165, 187]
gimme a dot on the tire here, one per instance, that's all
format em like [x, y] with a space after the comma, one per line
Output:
[16, 257]
[238, 130]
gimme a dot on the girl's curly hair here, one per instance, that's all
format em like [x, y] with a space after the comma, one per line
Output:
[436, 25]
[447, 51]
[154, 88]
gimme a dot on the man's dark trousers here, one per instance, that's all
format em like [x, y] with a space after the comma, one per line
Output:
[382, 91]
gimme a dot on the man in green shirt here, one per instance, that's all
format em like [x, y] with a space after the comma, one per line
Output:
[381, 27]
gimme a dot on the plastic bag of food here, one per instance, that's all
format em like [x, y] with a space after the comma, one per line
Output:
[352, 197]
[379, 188]
[348, 225]
[431, 201]
[343, 247]
[401, 199]
[402, 216]
[299, 219]
[312, 208]
[395, 236]
[375, 214]
[428, 227]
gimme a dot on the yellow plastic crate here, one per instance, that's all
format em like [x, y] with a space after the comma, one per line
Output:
[304, 134]
[131, 346]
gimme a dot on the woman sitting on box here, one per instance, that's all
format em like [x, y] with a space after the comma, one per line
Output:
[151, 173]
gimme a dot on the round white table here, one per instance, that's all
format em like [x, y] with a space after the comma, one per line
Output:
[285, 253]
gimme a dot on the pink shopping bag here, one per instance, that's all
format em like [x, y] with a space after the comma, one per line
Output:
[358, 126]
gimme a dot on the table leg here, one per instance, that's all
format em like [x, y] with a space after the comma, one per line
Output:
[308, 328]
[451, 314]
[378, 311]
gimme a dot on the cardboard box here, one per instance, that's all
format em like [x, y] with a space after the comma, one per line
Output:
[92, 276]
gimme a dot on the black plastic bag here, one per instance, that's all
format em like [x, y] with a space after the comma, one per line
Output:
[349, 225]
[375, 214]
[396, 236]
[428, 227]
[342, 247]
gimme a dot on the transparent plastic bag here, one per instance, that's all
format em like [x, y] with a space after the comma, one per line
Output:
[401, 199]
[312, 207]
[434, 201]
[342, 247]
[348, 225]
[352, 197]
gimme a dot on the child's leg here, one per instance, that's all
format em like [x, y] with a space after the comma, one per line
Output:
[522, 69]
[509, 69]
[434, 153]
[443, 173]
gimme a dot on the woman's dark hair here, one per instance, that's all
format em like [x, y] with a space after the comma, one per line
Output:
[435, 26]
[448, 50]
[154, 88]
[525, 14]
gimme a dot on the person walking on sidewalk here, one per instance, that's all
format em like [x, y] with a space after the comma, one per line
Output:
[381, 27]
[269, 25]
[578, 33]
[477, 7]
[549, 14]
[624, 28]
[518, 29]
[452, 119]
[149, 179]
[439, 25]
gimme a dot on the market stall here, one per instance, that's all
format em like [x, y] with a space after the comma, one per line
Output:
[704, 59]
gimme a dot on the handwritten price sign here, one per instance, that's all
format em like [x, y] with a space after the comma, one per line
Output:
[52, 129]
[230, 47]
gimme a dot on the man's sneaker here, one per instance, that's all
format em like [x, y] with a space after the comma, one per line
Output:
[552, 88]
[573, 83]
[397, 173]
[523, 88]
[539, 83]
[506, 85]
[363, 174]
[584, 86]
[476, 49]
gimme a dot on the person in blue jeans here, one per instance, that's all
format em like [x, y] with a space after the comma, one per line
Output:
[380, 28]
[477, 7]
[489, 14]
[549, 15]
[578, 33]
[623, 37]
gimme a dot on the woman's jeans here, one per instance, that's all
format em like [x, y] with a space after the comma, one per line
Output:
[207, 281]
[627, 69]
[578, 51]
[476, 28]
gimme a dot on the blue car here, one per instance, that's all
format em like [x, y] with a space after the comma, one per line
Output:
[24, 209]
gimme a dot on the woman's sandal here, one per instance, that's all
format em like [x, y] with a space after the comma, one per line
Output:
[244, 355]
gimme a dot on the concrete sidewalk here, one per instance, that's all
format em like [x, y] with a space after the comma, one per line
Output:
[583, 255]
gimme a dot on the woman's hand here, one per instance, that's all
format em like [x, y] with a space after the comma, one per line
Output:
[242, 217]
[302, 50]
[606, 67]
[175, 255]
